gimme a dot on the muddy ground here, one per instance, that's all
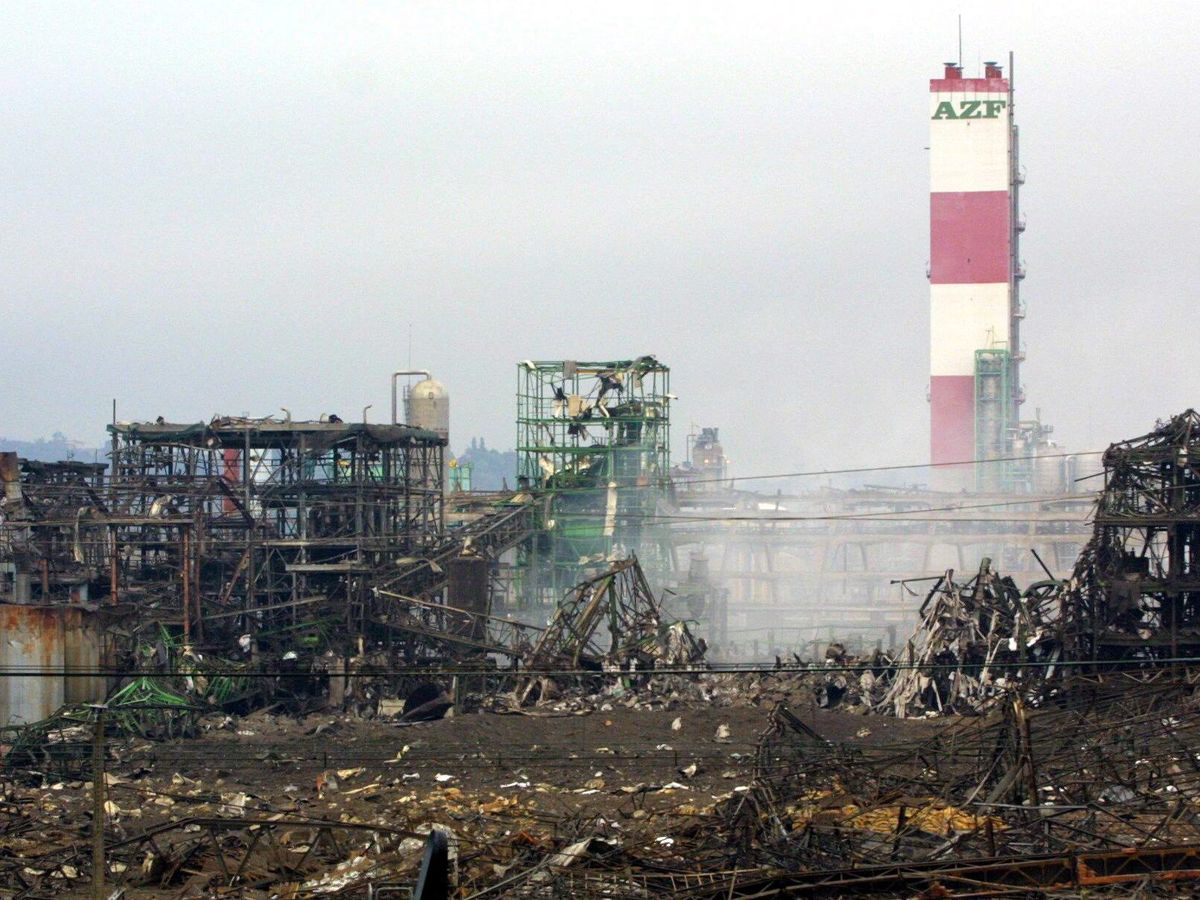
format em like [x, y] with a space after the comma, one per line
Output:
[638, 771]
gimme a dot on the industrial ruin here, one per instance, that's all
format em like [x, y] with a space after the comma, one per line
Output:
[273, 657]
[240, 586]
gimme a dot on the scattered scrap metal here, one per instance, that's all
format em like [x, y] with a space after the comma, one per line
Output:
[1098, 790]
[1132, 597]
[610, 622]
[975, 641]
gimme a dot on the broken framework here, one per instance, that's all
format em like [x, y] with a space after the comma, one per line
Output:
[1133, 597]
[265, 528]
[593, 440]
[1136, 587]
[42, 560]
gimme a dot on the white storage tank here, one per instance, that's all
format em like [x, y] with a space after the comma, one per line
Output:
[1049, 475]
[428, 406]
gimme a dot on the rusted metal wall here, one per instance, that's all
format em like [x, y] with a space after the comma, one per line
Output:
[81, 657]
[39, 647]
[31, 641]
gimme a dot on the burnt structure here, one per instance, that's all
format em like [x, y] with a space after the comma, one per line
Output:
[273, 530]
[253, 543]
[50, 635]
[593, 448]
[611, 621]
[1133, 597]
[43, 508]
[1135, 591]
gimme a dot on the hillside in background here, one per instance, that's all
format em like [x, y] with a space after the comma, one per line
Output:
[53, 449]
[490, 469]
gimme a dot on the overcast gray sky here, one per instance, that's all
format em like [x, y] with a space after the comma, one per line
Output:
[237, 207]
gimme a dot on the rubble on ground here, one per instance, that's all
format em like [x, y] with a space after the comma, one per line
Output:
[1037, 740]
[268, 804]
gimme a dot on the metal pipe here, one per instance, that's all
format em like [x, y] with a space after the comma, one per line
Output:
[113, 585]
[185, 568]
[98, 804]
[396, 375]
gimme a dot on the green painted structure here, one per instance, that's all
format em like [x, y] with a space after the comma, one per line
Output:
[593, 444]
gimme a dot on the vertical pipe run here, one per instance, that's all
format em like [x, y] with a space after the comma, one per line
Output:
[112, 465]
[1014, 180]
[113, 580]
[98, 806]
[186, 571]
[194, 569]
[396, 375]
[251, 571]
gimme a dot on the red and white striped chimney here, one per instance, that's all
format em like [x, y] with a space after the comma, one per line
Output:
[971, 210]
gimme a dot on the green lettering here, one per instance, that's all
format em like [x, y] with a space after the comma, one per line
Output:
[994, 107]
[970, 109]
[945, 110]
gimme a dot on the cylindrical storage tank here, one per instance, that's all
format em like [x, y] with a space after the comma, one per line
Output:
[81, 657]
[1087, 472]
[428, 407]
[1069, 468]
[1048, 474]
[33, 642]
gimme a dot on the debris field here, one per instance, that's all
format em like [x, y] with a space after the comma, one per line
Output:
[1026, 741]
[755, 791]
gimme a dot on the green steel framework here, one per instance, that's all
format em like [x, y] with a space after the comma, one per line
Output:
[593, 442]
[994, 419]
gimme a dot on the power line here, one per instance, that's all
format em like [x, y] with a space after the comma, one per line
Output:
[748, 668]
[632, 483]
[880, 515]
[925, 465]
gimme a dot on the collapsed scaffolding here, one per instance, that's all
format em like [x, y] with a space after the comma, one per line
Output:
[618, 606]
[1021, 801]
[1133, 597]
